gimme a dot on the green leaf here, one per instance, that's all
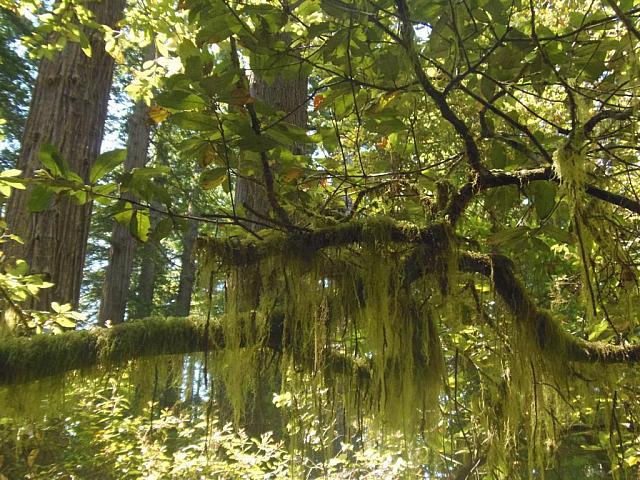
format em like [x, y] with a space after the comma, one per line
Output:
[487, 87]
[212, 178]
[217, 28]
[544, 197]
[195, 121]
[65, 322]
[180, 100]
[60, 308]
[124, 214]
[497, 155]
[40, 199]
[12, 172]
[508, 235]
[150, 171]
[21, 268]
[84, 43]
[52, 160]
[105, 163]
[163, 229]
[598, 330]
[140, 225]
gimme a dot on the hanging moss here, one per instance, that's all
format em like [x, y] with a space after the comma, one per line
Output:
[354, 301]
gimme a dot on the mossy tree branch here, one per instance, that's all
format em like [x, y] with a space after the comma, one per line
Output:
[25, 359]
[546, 330]
[548, 333]
[239, 253]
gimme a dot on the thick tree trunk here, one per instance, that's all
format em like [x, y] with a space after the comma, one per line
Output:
[115, 290]
[68, 110]
[289, 96]
[188, 269]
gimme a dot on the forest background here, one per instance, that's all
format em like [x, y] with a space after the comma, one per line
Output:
[369, 239]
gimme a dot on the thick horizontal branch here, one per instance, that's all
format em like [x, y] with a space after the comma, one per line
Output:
[549, 334]
[500, 178]
[239, 253]
[25, 359]
[550, 337]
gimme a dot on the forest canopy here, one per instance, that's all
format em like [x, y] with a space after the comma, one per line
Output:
[400, 236]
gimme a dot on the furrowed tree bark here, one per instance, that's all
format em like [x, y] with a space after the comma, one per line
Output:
[188, 267]
[115, 290]
[259, 198]
[68, 110]
[288, 95]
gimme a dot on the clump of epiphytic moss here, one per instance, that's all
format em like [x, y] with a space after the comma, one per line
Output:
[355, 301]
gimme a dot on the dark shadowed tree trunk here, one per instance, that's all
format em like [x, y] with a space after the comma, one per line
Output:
[68, 110]
[115, 289]
[148, 273]
[188, 268]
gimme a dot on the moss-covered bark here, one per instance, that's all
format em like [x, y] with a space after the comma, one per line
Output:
[434, 241]
[304, 244]
[28, 358]
[539, 324]
[25, 359]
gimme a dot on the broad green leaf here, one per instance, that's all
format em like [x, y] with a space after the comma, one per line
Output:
[140, 225]
[52, 160]
[180, 100]
[598, 330]
[56, 307]
[163, 229]
[12, 172]
[40, 198]
[105, 163]
[21, 268]
[544, 197]
[497, 155]
[507, 235]
[65, 322]
[195, 121]
[124, 213]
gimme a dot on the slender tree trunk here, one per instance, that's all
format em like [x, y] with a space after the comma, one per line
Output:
[115, 290]
[148, 274]
[68, 110]
[188, 269]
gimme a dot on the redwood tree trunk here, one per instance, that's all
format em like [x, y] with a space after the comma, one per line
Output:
[115, 289]
[68, 110]
[290, 96]
[188, 269]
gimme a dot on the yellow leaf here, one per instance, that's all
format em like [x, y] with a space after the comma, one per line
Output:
[31, 458]
[240, 96]
[292, 174]
[158, 114]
